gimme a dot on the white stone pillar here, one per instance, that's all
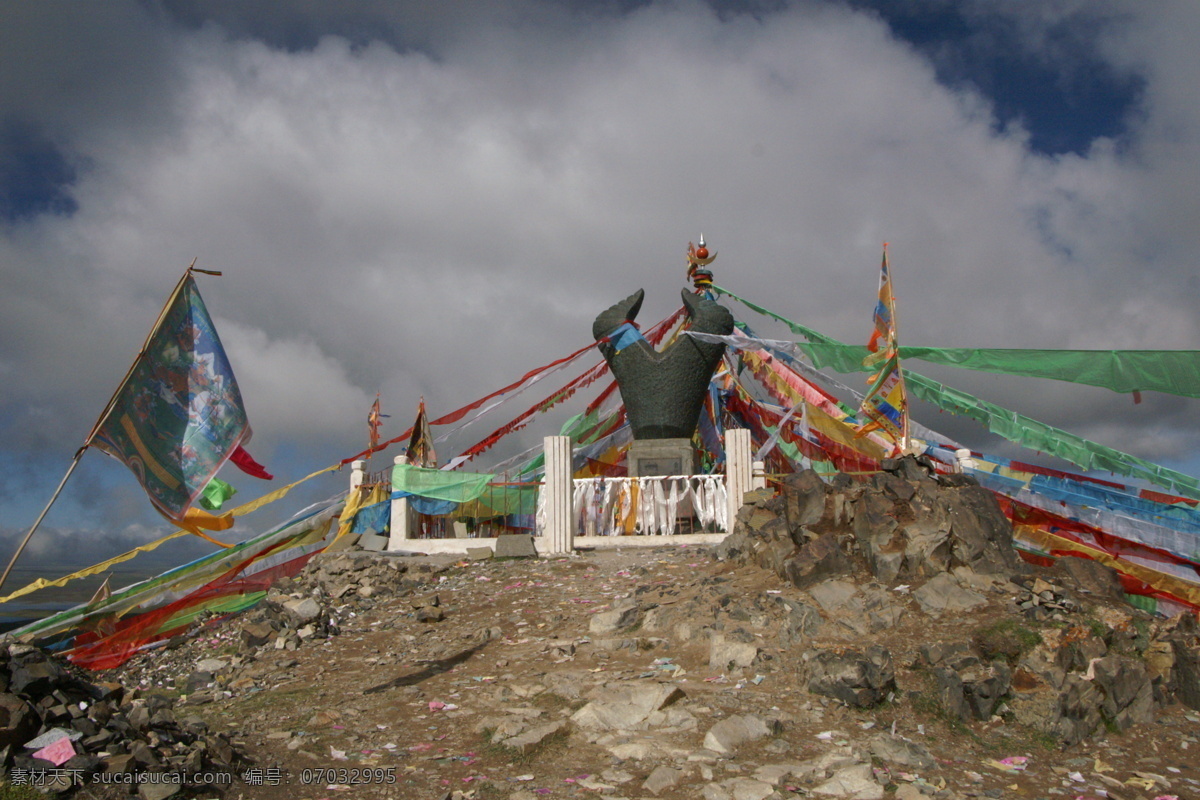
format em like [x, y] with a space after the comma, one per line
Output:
[760, 475]
[739, 470]
[558, 538]
[401, 519]
[358, 474]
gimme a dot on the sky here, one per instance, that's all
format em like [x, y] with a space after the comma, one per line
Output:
[418, 199]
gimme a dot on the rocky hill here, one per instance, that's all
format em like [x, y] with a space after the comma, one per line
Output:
[858, 639]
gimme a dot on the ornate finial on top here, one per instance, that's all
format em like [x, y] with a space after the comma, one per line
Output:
[698, 259]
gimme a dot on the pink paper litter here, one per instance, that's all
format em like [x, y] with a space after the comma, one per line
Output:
[58, 752]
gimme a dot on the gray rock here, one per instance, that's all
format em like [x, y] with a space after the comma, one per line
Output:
[834, 596]
[1078, 710]
[942, 594]
[715, 791]
[515, 545]
[213, 665]
[613, 620]
[878, 534]
[895, 750]
[854, 783]
[532, 737]
[302, 611]
[856, 678]
[974, 692]
[35, 677]
[818, 560]
[256, 634]
[726, 735]
[804, 499]
[980, 533]
[747, 789]
[663, 777]
[372, 542]
[18, 720]
[1185, 673]
[1128, 693]
[724, 654]
[430, 614]
[627, 707]
[801, 622]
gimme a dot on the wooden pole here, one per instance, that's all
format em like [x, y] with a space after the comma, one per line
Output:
[28, 536]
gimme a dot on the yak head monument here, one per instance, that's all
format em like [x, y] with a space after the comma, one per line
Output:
[663, 390]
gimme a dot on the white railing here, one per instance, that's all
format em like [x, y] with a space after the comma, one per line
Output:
[650, 506]
[604, 512]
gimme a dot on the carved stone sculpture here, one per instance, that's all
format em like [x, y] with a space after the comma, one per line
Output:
[663, 391]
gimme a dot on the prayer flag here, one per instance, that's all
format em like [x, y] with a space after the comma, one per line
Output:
[215, 494]
[374, 422]
[886, 402]
[243, 461]
[420, 445]
[178, 415]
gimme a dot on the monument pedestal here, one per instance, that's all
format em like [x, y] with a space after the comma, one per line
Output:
[649, 457]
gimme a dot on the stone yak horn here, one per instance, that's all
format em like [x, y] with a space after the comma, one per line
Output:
[663, 391]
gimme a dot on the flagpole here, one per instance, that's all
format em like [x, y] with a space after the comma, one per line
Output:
[108, 409]
[46, 510]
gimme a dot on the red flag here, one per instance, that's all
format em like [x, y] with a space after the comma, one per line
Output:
[242, 460]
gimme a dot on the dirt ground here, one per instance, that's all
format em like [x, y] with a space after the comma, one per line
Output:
[396, 708]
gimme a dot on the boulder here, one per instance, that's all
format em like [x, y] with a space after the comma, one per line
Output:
[804, 495]
[613, 620]
[515, 545]
[859, 679]
[725, 654]
[815, 561]
[729, 733]
[942, 594]
[18, 720]
[626, 707]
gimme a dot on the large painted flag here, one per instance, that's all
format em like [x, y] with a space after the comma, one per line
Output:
[178, 415]
[886, 402]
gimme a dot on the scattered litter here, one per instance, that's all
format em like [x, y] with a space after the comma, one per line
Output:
[58, 752]
[337, 755]
[1010, 764]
